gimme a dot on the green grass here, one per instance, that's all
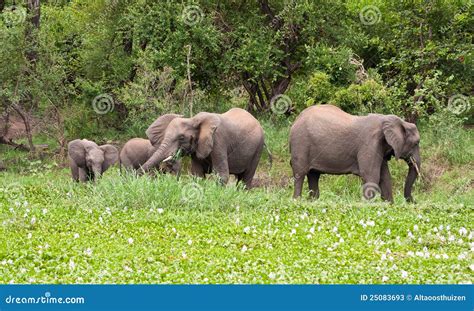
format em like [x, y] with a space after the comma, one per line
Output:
[125, 229]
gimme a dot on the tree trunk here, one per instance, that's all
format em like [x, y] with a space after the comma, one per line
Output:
[27, 123]
[34, 14]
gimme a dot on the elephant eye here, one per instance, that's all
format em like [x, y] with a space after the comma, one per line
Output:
[181, 137]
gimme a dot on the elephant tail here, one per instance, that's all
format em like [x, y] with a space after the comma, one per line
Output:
[270, 156]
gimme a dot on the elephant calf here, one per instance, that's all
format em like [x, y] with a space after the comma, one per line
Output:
[138, 150]
[326, 140]
[89, 161]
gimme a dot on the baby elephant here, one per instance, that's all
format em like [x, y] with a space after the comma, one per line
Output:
[89, 161]
[138, 150]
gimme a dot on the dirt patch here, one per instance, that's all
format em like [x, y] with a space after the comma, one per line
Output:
[432, 170]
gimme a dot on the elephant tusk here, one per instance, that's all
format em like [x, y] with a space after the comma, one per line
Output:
[412, 160]
[168, 158]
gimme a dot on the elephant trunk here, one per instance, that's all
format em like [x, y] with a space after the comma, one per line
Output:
[97, 170]
[166, 149]
[414, 166]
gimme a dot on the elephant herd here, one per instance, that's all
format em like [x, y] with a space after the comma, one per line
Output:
[323, 140]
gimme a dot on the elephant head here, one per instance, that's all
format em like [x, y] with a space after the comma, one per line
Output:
[89, 156]
[404, 138]
[188, 135]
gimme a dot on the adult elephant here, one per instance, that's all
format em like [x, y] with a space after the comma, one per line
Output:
[228, 143]
[89, 161]
[138, 150]
[326, 140]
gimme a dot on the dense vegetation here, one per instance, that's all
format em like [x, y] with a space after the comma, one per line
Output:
[105, 69]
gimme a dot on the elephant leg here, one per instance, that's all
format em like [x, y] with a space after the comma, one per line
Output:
[313, 182]
[386, 182]
[74, 171]
[83, 175]
[221, 166]
[198, 168]
[369, 169]
[299, 179]
[250, 171]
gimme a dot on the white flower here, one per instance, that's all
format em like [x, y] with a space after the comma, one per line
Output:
[334, 229]
[419, 254]
[384, 257]
[362, 223]
[410, 253]
[410, 235]
[471, 267]
[160, 211]
[246, 229]
[462, 256]
[451, 238]
[190, 242]
[384, 278]
[324, 210]
[462, 231]
[244, 249]
[370, 223]
[404, 274]
[309, 236]
[88, 252]
[183, 254]
[435, 229]
[445, 256]
[127, 268]
[272, 275]
[72, 264]
[45, 211]
[33, 220]
[76, 235]
[388, 232]
[415, 228]
[130, 241]
[293, 231]
[437, 256]
[311, 230]
[341, 240]
[29, 235]
[448, 227]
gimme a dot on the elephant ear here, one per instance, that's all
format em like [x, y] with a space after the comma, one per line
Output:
[207, 124]
[394, 133]
[156, 131]
[77, 152]
[111, 156]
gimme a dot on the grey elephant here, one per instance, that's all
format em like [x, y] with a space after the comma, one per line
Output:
[88, 161]
[326, 140]
[138, 150]
[228, 143]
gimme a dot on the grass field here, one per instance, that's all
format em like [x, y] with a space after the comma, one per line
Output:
[125, 229]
